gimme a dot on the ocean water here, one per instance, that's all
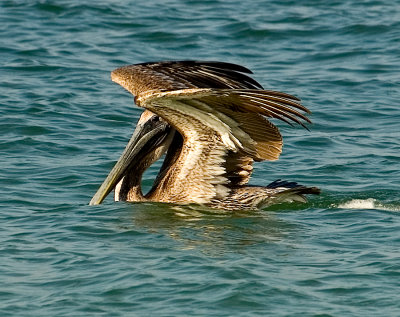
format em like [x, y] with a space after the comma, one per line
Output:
[63, 124]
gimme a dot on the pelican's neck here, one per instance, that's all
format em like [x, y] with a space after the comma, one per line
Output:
[129, 187]
[171, 156]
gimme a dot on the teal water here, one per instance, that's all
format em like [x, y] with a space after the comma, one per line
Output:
[64, 124]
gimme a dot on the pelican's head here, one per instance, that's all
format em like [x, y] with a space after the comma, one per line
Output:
[148, 143]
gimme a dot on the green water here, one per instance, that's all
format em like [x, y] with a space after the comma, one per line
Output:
[64, 124]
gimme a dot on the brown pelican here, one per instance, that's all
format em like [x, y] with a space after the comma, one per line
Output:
[209, 118]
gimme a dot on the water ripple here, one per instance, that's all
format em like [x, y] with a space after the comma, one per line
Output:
[64, 124]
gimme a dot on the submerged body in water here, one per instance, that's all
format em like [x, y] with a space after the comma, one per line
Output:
[210, 121]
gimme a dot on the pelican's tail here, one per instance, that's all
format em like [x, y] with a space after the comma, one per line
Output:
[258, 197]
[284, 191]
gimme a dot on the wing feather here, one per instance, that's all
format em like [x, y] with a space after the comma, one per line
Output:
[242, 107]
[267, 138]
[168, 76]
[238, 117]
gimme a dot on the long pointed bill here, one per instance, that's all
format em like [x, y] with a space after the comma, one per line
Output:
[142, 135]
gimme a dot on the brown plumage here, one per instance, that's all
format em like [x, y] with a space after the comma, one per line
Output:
[211, 120]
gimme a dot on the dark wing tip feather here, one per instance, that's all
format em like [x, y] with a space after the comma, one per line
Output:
[225, 65]
[211, 74]
[236, 77]
[176, 75]
[266, 103]
[191, 63]
[304, 190]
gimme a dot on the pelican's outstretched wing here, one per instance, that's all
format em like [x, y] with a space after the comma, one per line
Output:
[151, 78]
[216, 123]
[241, 111]
[175, 75]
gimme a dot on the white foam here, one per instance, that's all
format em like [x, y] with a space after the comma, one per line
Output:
[369, 203]
[359, 204]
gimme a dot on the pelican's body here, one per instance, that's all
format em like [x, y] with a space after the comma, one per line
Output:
[210, 120]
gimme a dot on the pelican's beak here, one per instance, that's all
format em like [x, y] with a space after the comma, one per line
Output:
[147, 136]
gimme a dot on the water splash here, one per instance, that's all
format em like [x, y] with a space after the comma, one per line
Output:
[369, 203]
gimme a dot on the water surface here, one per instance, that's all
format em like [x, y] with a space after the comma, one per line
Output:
[64, 124]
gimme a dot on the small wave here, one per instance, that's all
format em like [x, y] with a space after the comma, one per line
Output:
[369, 203]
